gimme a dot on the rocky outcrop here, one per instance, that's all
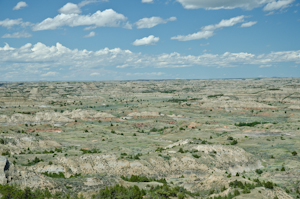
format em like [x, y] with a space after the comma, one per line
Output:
[3, 167]
[67, 116]
[225, 158]
[234, 104]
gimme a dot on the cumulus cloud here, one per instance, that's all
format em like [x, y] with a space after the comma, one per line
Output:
[208, 31]
[94, 74]
[276, 5]
[86, 2]
[221, 4]
[70, 8]
[6, 47]
[198, 35]
[9, 23]
[17, 35]
[108, 18]
[146, 74]
[91, 34]
[20, 5]
[34, 58]
[248, 24]
[264, 66]
[269, 5]
[150, 40]
[152, 21]
[49, 74]
[147, 1]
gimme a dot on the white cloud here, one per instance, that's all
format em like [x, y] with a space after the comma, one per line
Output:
[204, 44]
[91, 34]
[127, 25]
[17, 35]
[70, 8]
[264, 66]
[38, 56]
[146, 74]
[108, 18]
[194, 36]
[9, 23]
[153, 21]
[20, 5]
[50, 74]
[221, 4]
[150, 40]
[86, 2]
[94, 74]
[90, 28]
[276, 5]
[147, 1]
[208, 31]
[6, 47]
[248, 24]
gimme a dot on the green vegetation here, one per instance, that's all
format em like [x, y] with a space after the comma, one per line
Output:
[15, 192]
[133, 157]
[163, 192]
[85, 151]
[217, 95]
[33, 162]
[251, 124]
[259, 171]
[234, 142]
[54, 175]
[273, 89]
[196, 156]
[135, 178]
[177, 100]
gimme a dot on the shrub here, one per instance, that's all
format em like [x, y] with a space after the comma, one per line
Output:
[180, 196]
[294, 153]
[234, 142]
[196, 156]
[269, 185]
[33, 162]
[180, 150]
[1, 141]
[54, 175]
[258, 171]
[236, 192]
[246, 190]
[58, 150]
[84, 151]
[251, 124]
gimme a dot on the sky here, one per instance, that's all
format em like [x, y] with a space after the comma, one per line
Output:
[95, 40]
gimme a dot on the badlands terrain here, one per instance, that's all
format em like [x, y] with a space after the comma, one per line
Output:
[207, 138]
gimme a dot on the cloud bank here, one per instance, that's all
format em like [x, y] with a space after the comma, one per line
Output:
[208, 31]
[39, 56]
[106, 18]
[150, 40]
[153, 21]
[232, 4]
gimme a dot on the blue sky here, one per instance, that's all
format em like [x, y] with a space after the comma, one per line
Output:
[62, 40]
